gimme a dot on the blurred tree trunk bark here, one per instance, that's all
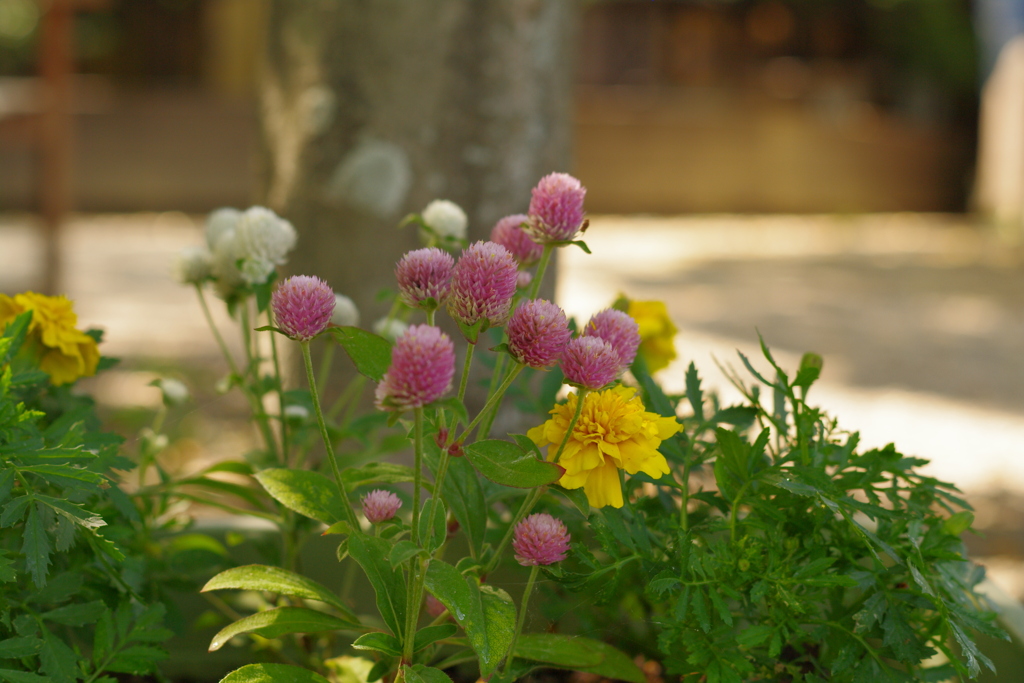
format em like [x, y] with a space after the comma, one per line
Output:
[372, 108]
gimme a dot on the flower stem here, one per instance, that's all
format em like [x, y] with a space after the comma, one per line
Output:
[465, 371]
[522, 617]
[541, 268]
[417, 473]
[499, 369]
[581, 396]
[350, 515]
[280, 396]
[491, 402]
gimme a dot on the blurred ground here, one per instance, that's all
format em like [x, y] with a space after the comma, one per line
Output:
[920, 319]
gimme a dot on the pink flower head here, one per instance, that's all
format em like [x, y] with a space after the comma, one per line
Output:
[538, 333]
[540, 539]
[590, 362]
[556, 208]
[483, 284]
[424, 277]
[302, 306]
[422, 367]
[509, 233]
[435, 607]
[618, 329]
[380, 505]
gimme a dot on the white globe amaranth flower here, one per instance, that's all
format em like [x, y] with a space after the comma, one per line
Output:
[193, 265]
[262, 240]
[446, 218]
[175, 393]
[220, 222]
[390, 328]
[226, 276]
[345, 312]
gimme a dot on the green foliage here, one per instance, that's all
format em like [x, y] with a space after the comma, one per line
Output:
[69, 607]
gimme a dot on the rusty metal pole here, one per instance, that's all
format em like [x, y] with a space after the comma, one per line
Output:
[56, 138]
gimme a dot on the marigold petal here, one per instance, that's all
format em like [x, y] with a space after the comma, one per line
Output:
[603, 488]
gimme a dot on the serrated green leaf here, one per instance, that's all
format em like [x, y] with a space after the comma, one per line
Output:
[12, 676]
[370, 353]
[306, 492]
[14, 510]
[259, 577]
[487, 614]
[693, 392]
[273, 673]
[14, 648]
[752, 636]
[507, 464]
[57, 660]
[276, 622]
[72, 512]
[137, 659]
[77, 614]
[36, 547]
[6, 483]
[388, 583]
[379, 642]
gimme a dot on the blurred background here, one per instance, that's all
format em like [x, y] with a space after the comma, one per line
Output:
[842, 176]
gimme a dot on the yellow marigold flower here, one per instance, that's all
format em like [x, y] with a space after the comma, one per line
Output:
[657, 333]
[613, 432]
[64, 352]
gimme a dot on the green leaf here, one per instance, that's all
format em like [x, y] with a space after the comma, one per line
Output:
[693, 392]
[464, 495]
[76, 614]
[15, 648]
[57, 660]
[580, 654]
[72, 512]
[376, 473]
[65, 473]
[259, 577]
[388, 583]
[453, 404]
[402, 551]
[810, 370]
[308, 493]
[137, 659]
[14, 510]
[433, 524]
[273, 673]
[431, 634]
[276, 622]
[6, 483]
[36, 547]
[380, 642]
[21, 677]
[506, 463]
[15, 331]
[752, 636]
[955, 525]
[418, 673]
[370, 353]
[487, 614]
[263, 292]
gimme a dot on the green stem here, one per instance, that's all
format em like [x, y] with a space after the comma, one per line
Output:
[280, 396]
[494, 399]
[216, 333]
[522, 617]
[326, 361]
[417, 473]
[430, 316]
[684, 513]
[499, 369]
[541, 268]
[417, 577]
[581, 396]
[465, 371]
[349, 513]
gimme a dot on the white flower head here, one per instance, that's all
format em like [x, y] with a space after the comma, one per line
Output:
[227, 277]
[345, 312]
[262, 240]
[390, 328]
[219, 222]
[175, 393]
[446, 218]
[296, 413]
[193, 265]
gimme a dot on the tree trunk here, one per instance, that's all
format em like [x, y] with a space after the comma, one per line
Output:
[372, 108]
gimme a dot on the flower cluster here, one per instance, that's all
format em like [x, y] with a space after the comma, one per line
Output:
[613, 432]
[64, 352]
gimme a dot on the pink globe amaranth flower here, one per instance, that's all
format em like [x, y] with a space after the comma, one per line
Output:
[424, 277]
[509, 233]
[590, 362]
[540, 539]
[537, 333]
[422, 368]
[302, 306]
[380, 505]
[483, 284]
[435, 607]
[618, 329]
[524, 279]
[556, 208]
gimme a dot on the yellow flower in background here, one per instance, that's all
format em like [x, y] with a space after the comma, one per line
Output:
[613, 432]
[657, 333]
[64, 352]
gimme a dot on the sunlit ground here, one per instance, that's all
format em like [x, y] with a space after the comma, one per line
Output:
[920, 320]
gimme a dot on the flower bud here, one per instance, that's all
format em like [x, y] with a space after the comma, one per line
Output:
[540, 539]
[421, 371]
[556, 208]
[424, 277]
[509, 233]
[345, 312]
[446, 218]
[590, 362]
[537, 333]
[302, 306]
[380, 505]
[193, 265]
[390, 328]
[618, 329]
[483, 284]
